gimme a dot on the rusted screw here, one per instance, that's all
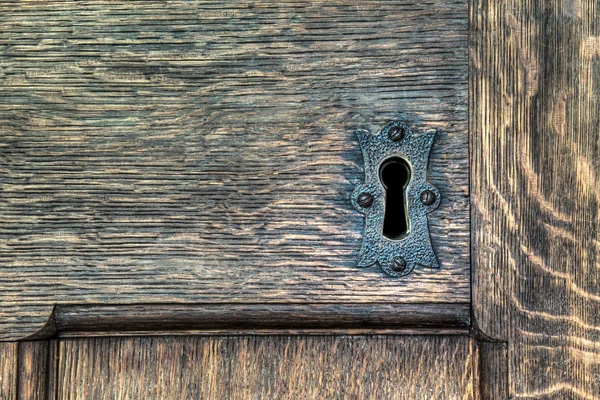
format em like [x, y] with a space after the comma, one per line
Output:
[398, 265]
[396, 133]
[365, 200]
[428, 197]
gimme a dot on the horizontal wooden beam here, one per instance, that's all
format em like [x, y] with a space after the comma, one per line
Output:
[236, 316]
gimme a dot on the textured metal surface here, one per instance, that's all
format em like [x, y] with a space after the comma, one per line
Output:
[415, 247]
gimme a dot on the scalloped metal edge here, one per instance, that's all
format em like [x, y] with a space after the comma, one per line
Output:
[415, 248]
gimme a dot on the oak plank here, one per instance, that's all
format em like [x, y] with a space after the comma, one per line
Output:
[178, 152]
[535, 164]
[278, 367]
[9, 355]
[491, 366]
[36, 369]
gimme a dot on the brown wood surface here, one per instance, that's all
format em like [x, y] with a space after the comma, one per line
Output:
[535, 129]
[176, 152]
[28, 370]
[491, 366]
[443, 366]
[105, 108]
[71, 320]
[9, 356]
[279, 367]
[35, 370]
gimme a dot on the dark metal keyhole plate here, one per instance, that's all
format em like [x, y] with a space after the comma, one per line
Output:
[397, 249]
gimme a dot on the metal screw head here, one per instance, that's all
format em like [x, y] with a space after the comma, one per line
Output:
[396, 133]
[398, 265]
[428, 197]
[365, 199]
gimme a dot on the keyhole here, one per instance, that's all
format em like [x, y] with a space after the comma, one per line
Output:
[395, 175]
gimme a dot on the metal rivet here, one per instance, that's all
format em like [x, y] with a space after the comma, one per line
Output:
[428, 197]
[398, 265]
[365, 200]
[396, 133]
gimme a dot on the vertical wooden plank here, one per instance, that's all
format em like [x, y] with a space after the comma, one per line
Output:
[52, 374]
[267, 367]
[491, 259]
[535, 123]
[491, 369]
[34, 370]
[8, 370]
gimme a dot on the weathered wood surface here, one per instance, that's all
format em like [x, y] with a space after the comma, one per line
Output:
[173, 152]
[28, 370]
[230, 367]
[69, 320]
[36, 370]
[535, 129]
[278, 367]
[9, 356]
[490, 364]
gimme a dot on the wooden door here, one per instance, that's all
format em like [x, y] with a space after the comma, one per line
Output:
[177, 216]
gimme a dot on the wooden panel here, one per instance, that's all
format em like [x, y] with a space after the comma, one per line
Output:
[36, 370]
[173, 152]
[278, 367]
[535, 125]
[8, 370]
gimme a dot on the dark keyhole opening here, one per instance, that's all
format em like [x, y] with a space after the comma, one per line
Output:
[395, 175]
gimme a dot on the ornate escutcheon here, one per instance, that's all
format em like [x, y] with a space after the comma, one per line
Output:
[395, 199]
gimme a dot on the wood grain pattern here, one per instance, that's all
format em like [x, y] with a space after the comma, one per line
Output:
[535, 165]
[282, 367]
[231, 317]
[491, 367]
[35, 370]
[174, 152]
[9, 355]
